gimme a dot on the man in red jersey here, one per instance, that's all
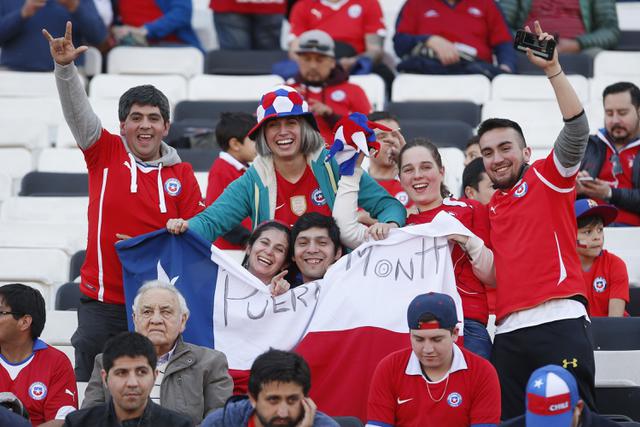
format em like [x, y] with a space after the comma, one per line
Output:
[541, 316]
[462, 388]
[136, 183]
[39, 375]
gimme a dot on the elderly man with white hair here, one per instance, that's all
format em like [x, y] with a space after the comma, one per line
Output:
[192, 380]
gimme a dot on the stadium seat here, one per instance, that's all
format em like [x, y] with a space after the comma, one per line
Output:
[68, 237]
[75, 264]
[6, 187]
[348, 421]
[54, 184]
[443, 133]
[623, 241]
[92, 62]
[68, 296]
[82, 387]
[613, 368]
[26, 133]
[629, 41]
[61, 160]
[373, 86]
[511, 87]
[231, 88]
[28, 84]
[572, 63]
[623, 65]
[16, 162]
[38, 108]
[418, 87]
[633, 308]
[187, 132]
[43, 209]
[453, 162]
[390, 11]
[182, 60]
[464, 111]
[200, 159]
[112, 86]
[212, 109]
[107, 111]
[59, 327]
[619, 400]
[616, 333]
[628, 15]
[203, 182]
[243, 62]
[598, 84]
[202, 24]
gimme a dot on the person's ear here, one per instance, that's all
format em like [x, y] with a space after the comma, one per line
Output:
[122, 129]
[103, 375]
[527, 154]
[235, 144]
[469, 192]
[338, 253]
[252, 400]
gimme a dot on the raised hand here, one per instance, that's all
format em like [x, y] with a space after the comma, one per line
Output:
[279, 285]
[552, 66]
[30, 7]
[310, 409]
[62, 49]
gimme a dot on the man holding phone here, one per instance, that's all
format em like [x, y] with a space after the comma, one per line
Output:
[541, 315]
[279, 384]
[610, 171]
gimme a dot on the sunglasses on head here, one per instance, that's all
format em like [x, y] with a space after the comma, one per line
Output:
[314, 44]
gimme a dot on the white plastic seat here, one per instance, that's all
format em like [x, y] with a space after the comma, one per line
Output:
[16, 162]
[31, 134]
[628, 15]
[6, 187]
[44, 209]
[61, 160]
[185, 61]
[112, 86]
[59, 327]
[105, 108]
[624, 242]
[203, 182]
[202, 24]
[453, 162]
[390, 11]
[68, 237]
[70, 352]
[623, 65]
[24, 84]
[231, 88]
[598, 84]
[44, 109]
[417, 87]
[513, 87]
[373, 86]
[617, 368]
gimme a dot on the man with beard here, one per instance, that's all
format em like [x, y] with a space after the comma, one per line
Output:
[324, 84]
[279, 385]
[610, 171]
[541, 315]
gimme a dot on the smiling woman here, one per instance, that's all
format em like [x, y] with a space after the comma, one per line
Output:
[268, 253]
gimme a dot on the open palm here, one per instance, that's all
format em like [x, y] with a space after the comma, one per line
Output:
[62, 50]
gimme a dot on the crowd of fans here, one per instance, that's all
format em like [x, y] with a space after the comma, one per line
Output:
[276, 192]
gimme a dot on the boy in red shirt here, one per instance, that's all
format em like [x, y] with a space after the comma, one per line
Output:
[238, 150]
[604, 273]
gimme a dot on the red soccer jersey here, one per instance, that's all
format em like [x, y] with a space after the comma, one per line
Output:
[343, 98]
[297, 198]
[606, 279]
[114, 208]
[561, 17]
[44, 383]
[398, 395]
[623, 177]
[475, 23]
[472, 215]
[223, 172]
[533, 237]
[258, 7]
[136, 13]
[345, 21]
[394, 188]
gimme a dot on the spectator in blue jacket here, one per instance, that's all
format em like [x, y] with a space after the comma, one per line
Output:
[152, 22]
[22, 21]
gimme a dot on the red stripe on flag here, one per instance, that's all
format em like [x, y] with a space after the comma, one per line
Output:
[552, 405]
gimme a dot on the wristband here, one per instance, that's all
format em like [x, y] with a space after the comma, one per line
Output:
[555, 75]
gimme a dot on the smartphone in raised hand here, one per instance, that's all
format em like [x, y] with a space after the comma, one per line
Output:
[525, 40]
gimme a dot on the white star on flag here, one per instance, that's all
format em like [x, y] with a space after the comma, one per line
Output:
[164, 277]
[538, 383]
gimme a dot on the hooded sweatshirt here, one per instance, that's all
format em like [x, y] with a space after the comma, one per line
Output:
[126, 195]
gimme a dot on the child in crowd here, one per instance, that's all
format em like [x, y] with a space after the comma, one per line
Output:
[238, 150]
[472, 150]
[604, 273]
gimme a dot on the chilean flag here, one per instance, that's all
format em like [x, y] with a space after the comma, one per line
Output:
[343, 325]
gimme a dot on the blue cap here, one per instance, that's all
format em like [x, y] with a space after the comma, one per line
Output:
[440, 306]
[589, 207]
[552, 395]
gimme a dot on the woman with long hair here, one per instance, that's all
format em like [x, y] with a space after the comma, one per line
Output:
[268, 253]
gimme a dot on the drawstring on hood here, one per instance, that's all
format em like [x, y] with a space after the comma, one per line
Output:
[162, 204]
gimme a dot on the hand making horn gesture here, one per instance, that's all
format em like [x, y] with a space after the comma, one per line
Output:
[62, 50]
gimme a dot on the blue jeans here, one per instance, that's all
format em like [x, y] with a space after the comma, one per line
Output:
[476, 338]
[238, 31]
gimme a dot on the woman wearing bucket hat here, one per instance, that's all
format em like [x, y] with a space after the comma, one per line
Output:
[289, 177]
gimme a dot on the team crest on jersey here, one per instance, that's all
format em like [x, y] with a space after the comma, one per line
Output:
[454, 399]
[355, 11]
[521, 190]
[338, 95]
[318, 197]
[298, 204]
[600, 284]
[475, 11]
[38, 391]
[172, 186]
[403, 198]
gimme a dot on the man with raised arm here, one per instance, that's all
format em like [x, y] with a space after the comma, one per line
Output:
[136, 183]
